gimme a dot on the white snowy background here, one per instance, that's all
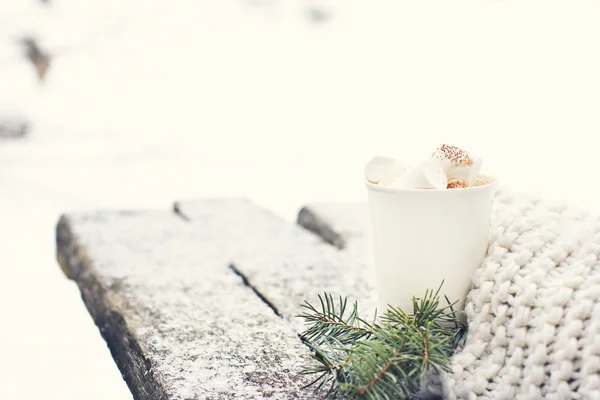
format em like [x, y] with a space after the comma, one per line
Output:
[281, 101]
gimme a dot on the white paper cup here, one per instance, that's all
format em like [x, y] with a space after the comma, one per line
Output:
[424, 236]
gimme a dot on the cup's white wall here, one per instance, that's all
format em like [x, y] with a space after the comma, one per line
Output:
[422, 237]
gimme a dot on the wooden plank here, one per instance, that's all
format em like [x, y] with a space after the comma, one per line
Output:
[179, 322]
[283, 262]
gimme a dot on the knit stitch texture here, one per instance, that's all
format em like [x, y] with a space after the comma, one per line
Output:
[534, 307]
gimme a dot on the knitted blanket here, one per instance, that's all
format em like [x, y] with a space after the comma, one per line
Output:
[534, 307]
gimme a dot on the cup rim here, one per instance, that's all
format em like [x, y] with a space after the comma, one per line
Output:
[386, 189]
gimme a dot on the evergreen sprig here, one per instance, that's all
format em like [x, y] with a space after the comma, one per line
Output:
[333, 322]
[385, 360]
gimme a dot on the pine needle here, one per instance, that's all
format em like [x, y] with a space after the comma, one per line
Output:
[374, 361]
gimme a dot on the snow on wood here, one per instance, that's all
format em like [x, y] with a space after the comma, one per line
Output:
[178, 320]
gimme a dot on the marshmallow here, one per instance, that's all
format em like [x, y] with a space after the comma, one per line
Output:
[380, 168]
[458, 163]
[427, 175]
[392, 183]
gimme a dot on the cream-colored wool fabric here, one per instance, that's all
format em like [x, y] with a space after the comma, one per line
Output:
[534, 307]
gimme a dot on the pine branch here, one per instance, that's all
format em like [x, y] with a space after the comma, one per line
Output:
[380, 361]
[333, 323]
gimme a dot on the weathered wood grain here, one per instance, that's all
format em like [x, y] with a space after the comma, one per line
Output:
[283, 262]
[179, 322]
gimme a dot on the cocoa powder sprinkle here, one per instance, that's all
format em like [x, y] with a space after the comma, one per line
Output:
[456, 155]
[457, 184]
